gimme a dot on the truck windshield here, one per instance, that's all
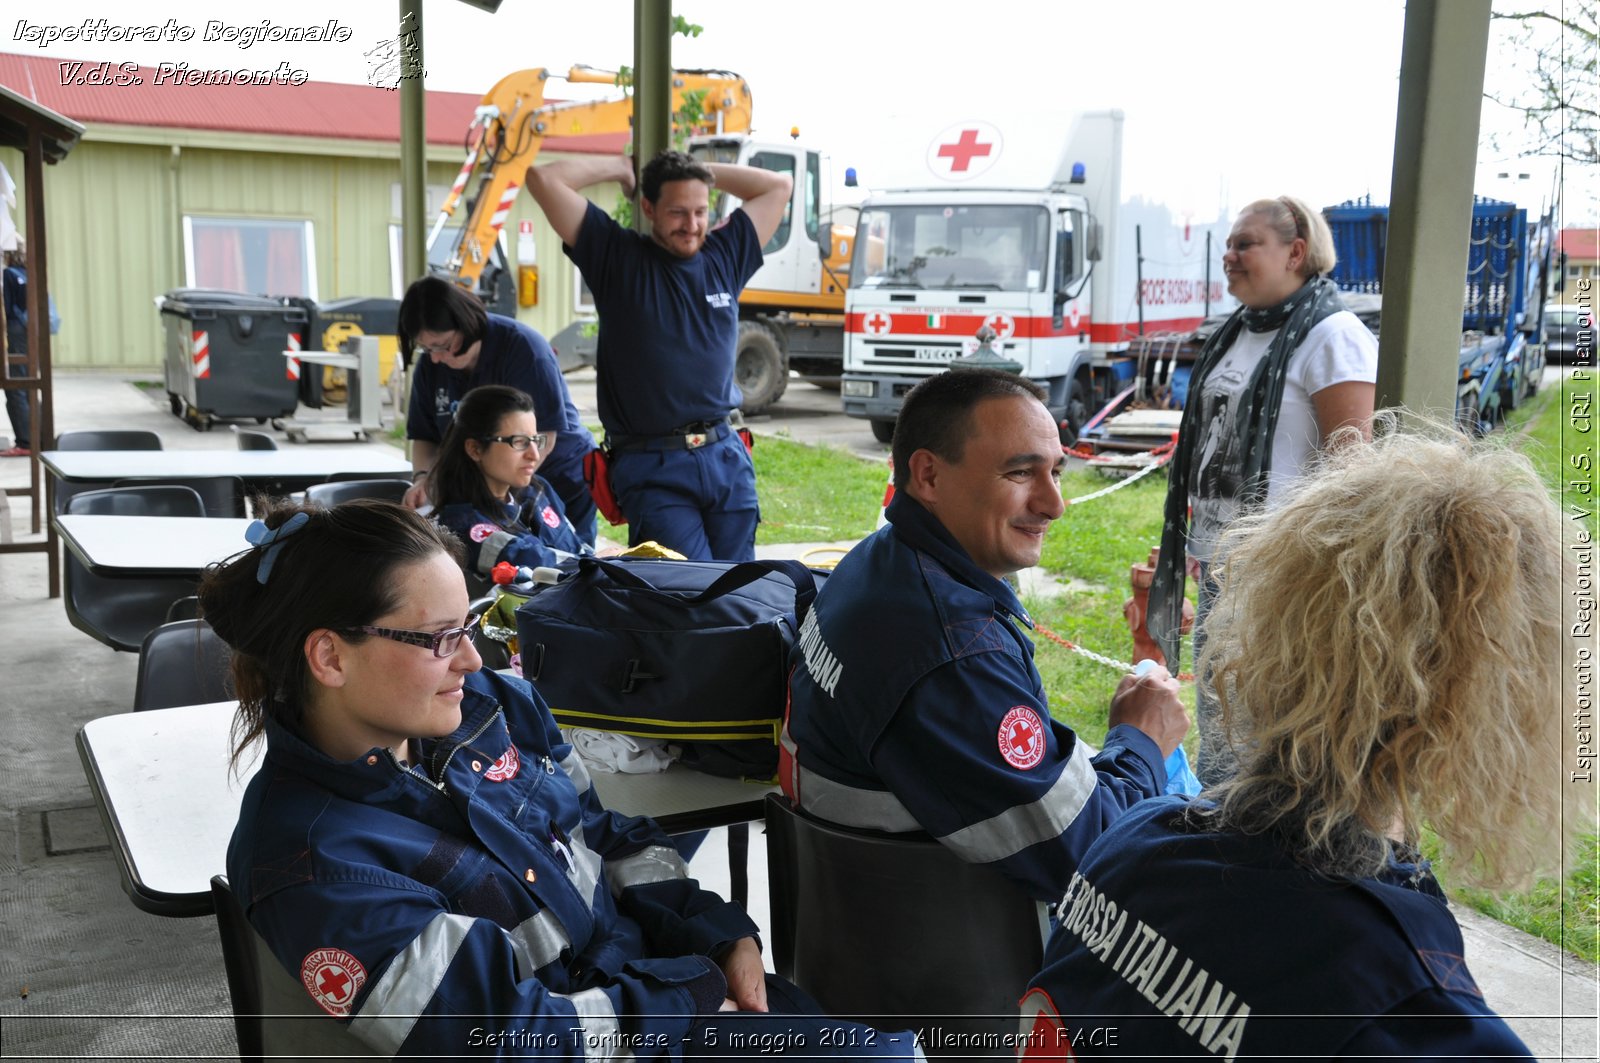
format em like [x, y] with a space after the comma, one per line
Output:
[989, 248]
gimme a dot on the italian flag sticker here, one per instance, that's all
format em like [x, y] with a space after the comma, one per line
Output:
[935, 320]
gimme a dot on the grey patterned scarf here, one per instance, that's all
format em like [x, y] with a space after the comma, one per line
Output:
[1256, 421]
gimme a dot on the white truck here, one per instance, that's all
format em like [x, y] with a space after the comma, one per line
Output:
[1002, 227]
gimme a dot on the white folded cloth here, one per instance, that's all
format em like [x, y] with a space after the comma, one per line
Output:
[613, 753]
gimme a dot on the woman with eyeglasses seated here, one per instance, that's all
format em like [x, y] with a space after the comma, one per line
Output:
[423, 852]
[1388, 653]
[486, 489]
[460, 346]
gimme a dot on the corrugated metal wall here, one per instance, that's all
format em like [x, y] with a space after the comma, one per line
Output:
[115, 215]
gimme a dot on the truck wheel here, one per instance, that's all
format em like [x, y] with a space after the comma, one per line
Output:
[759, 369]
[1077, 416]
[883, 431]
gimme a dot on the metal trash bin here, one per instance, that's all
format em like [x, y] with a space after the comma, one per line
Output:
[225, 355]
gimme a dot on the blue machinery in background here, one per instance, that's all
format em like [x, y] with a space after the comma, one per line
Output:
[1502, 322]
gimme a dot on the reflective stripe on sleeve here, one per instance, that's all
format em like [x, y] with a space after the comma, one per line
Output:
[850, 806]
[538, 941]
[585, 873]
[490, 549]
[402, 994]
[658, 863]
[577, 771]
[1023, 825]
[601, 1031]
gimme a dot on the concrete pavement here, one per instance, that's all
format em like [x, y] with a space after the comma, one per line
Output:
[88, 975]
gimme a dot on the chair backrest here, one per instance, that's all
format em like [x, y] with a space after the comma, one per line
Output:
[186, 608]
[223, 495]
[99, 439]
[182, 662]
[249, 440]
[140, 500]
[108, 439]
[889, 930]
[273, 1015]
[336, 491]
[121, 612]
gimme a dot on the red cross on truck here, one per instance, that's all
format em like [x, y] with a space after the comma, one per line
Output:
[962, 151]
[1028, 224]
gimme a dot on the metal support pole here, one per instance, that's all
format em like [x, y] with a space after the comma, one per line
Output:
[1138, 273]
[652, 85]
[1430, 203]
[413, 144]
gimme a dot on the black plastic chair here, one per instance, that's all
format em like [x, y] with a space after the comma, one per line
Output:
[891, 930]
[121, 612]
[223, 496]
[99, 439]
[185, 608]
[108, 439]
[182, 662]
[335, 491]
[249, 440]
[273, 1015]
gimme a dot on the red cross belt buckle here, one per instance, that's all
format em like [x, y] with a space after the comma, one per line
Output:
[694, 440]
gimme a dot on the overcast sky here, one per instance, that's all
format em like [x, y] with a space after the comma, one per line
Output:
[1226, 101]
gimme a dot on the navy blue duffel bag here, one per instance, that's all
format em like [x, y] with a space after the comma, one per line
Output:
[693, 652]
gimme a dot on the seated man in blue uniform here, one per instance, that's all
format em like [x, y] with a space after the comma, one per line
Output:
[669, 327]
[915, 704]
[423, 852]
[1388, 654]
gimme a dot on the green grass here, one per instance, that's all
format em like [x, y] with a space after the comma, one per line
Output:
[814, 494]
[826, 494]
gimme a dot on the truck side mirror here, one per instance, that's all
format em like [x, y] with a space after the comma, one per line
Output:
[1091, 240]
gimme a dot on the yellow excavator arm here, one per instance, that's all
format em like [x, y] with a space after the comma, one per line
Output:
[511, 123]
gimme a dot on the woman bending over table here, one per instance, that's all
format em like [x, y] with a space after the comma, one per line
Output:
[422, 851]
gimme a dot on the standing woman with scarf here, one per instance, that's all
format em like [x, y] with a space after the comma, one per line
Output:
[1270, 388]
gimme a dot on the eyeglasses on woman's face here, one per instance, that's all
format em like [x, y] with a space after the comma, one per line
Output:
[539, 441]
[441, 343]
[442, 643]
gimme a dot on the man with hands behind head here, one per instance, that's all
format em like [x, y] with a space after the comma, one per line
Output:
[669, 325]
[915, 703]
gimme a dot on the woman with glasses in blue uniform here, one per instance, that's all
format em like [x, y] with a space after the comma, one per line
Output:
[460, 346]
[423, 852]
[486, 489]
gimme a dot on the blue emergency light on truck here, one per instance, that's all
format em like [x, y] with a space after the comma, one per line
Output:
[1508, 263]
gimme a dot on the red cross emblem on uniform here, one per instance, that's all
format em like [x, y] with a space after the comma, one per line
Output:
[877, 322]
[549, 517]
[1022, 737]
[1048, 1037]
[333, 977]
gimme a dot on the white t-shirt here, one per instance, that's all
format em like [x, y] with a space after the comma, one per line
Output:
[1338, 349]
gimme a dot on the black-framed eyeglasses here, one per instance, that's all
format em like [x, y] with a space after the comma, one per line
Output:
[539, 441]
[442, 643]
[441, 348]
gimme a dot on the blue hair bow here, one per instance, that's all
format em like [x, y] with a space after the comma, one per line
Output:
[258, 534]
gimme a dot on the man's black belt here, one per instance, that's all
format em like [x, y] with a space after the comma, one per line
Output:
[684, 437]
